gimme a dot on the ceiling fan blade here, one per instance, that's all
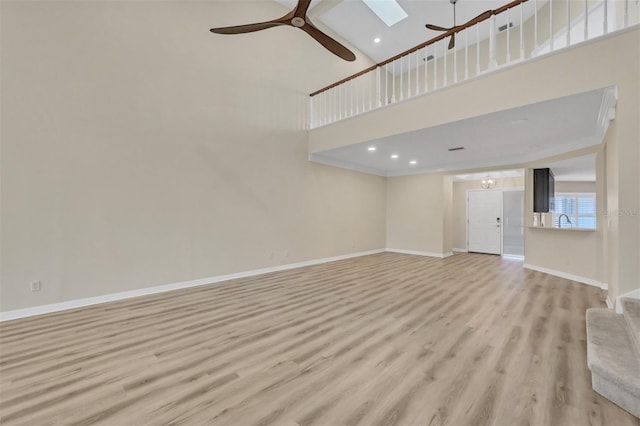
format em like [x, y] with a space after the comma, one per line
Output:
[329, 43]
[301, 8]
[436, 28]
[249, 28]
[452, 42]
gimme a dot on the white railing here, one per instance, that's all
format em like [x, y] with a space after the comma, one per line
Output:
[518, 31]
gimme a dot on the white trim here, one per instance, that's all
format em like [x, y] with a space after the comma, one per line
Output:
[459, 250]
[79, 303]
[634, 294]
[565, 275]
[513, 256]
[609, 303]
[420, 253]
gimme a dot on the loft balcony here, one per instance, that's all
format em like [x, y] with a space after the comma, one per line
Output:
[516, 33]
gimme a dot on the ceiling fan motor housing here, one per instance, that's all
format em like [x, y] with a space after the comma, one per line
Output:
[297, 22]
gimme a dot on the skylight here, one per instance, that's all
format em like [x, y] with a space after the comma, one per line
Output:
[389, 11]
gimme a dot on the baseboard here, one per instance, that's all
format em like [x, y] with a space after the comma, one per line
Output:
[571, 277]
[419, 253]
[79, 303]
[608, 302]
[459, 250]
[634, 294]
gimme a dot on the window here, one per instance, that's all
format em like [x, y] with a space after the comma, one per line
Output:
[579, 207]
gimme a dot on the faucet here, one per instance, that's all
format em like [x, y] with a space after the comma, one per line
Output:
[560, 220]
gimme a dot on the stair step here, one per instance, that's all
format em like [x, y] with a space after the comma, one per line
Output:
[613, 359]
[631, 312]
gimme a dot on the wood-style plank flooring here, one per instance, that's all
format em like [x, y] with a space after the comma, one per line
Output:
[386, 339]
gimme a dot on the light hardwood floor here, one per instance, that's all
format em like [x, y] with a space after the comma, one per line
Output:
[386, 339]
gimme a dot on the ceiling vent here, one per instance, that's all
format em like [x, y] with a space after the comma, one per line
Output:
[459, 148]
[504, 27]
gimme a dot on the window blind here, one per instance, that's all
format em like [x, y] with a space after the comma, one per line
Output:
[580, 209]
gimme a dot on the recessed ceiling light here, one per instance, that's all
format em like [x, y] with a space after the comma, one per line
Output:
[371, 148]
[394, 156]
[389, 11]
[413, 162]
[376, 40]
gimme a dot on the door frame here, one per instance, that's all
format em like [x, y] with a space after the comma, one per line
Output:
[466, 224]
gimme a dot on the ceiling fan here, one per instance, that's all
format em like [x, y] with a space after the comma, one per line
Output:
[296, 18]
[455, 27]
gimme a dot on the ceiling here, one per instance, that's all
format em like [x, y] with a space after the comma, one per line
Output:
[577, 169]
[411, 31]
[514, 136]
[338, 15]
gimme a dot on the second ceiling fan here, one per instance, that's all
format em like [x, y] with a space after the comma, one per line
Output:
[455, 27]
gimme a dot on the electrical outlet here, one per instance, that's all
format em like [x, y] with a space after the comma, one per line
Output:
[36, 286]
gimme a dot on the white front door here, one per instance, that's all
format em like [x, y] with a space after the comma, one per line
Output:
[485, 217]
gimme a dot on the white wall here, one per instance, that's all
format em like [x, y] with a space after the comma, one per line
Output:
[416, 207]
[577, 253]
[138, 149]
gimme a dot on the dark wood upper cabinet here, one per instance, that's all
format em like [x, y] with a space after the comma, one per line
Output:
[543, 190]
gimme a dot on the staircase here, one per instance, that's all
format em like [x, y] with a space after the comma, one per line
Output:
[613, 354]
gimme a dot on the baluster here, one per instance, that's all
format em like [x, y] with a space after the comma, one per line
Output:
[355, 97]
[336, 102]
[535, 25]
[466, 53]
[408, 75]
[311, 120]
[586, 20]
[386, 84]
[455, 64]
[426, 69]
[350, 86]
[327, 109]
[626, 13]
[401, 78]
[393, 76]
[435, 66]
[370, 75]
[446, 72]
[378, 94]
[550, 25]
[493, 63]
[521, 32]
[478, 49]
[605, 21]
[345, 99]
[508, 59]
[363, 92]
[417, 72]
[568, 23]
